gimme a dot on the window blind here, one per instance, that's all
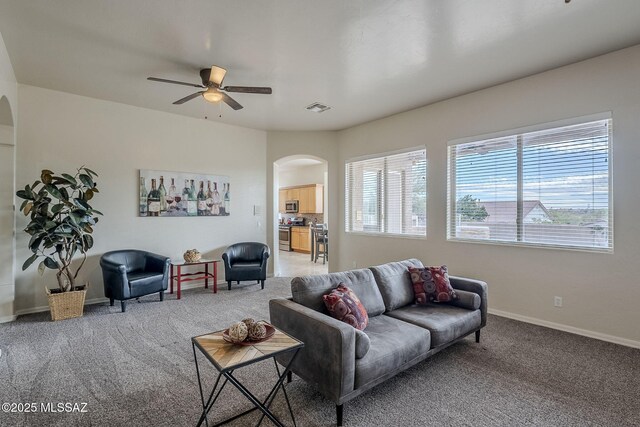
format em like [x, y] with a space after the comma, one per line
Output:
[387, 194]
[545, 188]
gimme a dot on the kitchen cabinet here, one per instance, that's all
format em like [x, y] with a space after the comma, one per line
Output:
[313, 197]
[282, 199]
[301, 239]
[310, 198]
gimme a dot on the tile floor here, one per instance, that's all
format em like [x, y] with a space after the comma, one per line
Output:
[297, 264]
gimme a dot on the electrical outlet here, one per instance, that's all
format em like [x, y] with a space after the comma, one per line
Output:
[557, 301]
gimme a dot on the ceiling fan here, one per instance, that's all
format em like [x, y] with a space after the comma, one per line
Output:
[212, 82]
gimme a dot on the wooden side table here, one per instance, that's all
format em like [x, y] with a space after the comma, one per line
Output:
[226, 358]
[179, 277]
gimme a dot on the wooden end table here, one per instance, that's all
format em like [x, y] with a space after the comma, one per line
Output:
[226, 358]
[179, 277]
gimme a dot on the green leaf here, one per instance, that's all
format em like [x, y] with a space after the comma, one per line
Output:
[88, 242]
[64, 193]
[34, 242]
[96, 212]
[70, 179]
[95, 189]
[35, 184]
[86, 180]
[50, 224]
[24, 195]
[57, 208]
[81, 203]
[51, 263]
[29, 261]
[90, 172]
[53, 190]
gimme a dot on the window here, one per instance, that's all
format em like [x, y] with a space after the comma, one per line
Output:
[548, 187]
[387, 194]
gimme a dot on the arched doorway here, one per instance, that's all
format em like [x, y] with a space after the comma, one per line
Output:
[295, 173]
[7, 217]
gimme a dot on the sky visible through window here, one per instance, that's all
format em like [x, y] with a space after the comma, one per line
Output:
[565, 174]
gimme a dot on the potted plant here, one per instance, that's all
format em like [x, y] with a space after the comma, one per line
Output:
[61, 224]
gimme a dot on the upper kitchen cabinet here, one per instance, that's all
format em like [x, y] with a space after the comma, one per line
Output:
[310, 198]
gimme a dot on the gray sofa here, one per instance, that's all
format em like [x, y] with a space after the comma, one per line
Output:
[343, 362]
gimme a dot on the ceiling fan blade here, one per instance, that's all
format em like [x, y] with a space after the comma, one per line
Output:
[230, 101]
[175, 82]
[248, 89]
[188, 98]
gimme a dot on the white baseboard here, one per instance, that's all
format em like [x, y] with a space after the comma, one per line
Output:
[89, 302]
[5, 319]
[597, 335]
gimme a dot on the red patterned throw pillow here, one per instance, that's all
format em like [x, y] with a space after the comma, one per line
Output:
[431, 284]
[344, 305]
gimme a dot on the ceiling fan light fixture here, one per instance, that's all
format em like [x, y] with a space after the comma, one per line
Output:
[212, 95]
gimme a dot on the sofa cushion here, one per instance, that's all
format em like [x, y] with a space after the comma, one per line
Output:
[345, 306]
[363, 344]
[308, 290]
[431, 284]
[395, 283]
[444, 321]
[394, 343]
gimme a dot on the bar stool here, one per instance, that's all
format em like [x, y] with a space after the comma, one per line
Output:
[321, 243]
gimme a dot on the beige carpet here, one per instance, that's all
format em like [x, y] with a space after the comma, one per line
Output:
[136, 369]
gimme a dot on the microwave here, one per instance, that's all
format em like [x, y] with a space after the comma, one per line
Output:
[291, 206]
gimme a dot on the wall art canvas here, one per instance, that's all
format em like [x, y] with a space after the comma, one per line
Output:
[165, 193]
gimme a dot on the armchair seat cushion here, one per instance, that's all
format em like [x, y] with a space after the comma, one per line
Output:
[393, 344]
[142, 278]
[445, 322]
[247, 265]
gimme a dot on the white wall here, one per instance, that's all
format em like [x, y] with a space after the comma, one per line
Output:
[600, 291]
[8, 117]
[61, 132]
[301, 175]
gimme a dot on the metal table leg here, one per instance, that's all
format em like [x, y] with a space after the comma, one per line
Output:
[262, 406]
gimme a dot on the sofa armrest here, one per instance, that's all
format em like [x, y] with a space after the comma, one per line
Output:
[328, 356]
[476, 286]
[468, 300]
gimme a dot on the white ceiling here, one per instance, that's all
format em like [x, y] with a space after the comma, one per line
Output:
[366, 59]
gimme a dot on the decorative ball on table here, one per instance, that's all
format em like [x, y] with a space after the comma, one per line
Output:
[192, 255]
[238, 332]
[257, 331]
[248, 321]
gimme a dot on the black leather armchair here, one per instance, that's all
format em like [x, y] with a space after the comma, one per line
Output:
[246, 261]
[133, 273]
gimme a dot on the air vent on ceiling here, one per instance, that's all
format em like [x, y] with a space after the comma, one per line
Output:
[316, 107]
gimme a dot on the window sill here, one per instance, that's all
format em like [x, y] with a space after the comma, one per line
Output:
[532, 245]
[401, 236]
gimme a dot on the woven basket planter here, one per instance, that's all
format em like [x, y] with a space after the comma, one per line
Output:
[66, 305]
